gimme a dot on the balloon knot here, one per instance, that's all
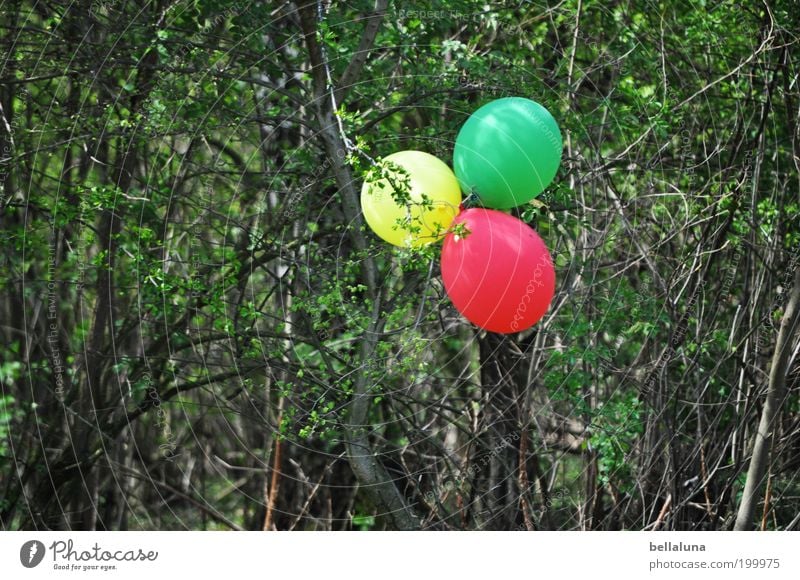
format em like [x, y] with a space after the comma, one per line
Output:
[472, 200]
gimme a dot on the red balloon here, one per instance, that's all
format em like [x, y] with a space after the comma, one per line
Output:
[499, 276]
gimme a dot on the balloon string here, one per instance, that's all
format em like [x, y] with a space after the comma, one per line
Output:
[472, 200]
[348, 143]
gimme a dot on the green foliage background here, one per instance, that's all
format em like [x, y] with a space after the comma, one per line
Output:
[188, 304]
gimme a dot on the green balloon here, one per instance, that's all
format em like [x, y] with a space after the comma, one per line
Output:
[507, 152]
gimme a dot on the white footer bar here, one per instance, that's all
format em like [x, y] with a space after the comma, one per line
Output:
[385, 555]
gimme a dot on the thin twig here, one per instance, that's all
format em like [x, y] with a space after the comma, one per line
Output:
[275, 480]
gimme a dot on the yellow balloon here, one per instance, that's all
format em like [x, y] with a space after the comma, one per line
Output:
[423, 217]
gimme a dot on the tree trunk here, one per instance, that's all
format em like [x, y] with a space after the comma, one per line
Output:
[776, 395]
[368, 469]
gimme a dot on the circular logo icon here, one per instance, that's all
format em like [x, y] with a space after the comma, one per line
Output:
[31, 553]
